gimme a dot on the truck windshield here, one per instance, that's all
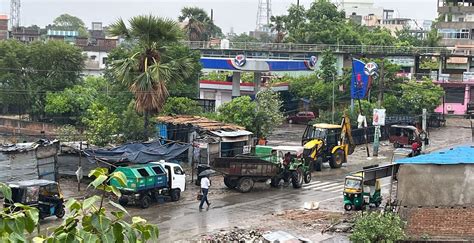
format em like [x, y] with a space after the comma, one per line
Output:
[354, 184]
[319, 133]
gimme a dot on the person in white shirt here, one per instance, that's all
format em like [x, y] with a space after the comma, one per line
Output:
[205, 184]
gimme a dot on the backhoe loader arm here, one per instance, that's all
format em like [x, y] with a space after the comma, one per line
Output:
[346, 132]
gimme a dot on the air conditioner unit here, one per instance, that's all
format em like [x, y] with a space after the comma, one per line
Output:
[449, 108]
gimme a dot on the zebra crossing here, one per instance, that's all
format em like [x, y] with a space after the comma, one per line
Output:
[325, 186]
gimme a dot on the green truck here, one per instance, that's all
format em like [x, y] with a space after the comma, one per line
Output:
[145, 183]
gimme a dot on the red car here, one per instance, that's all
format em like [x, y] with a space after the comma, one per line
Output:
[302, 117]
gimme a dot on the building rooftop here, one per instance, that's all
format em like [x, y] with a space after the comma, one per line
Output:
[456, 155]
[3, 17]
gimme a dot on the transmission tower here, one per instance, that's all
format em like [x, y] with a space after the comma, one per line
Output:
[263, 15]
[15, 13]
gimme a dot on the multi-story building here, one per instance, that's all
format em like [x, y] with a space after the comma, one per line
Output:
[3, 27]
[26, 34]
[456, 22]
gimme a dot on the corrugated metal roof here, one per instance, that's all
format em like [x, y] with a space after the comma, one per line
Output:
[201, 122]
[456, 155]
[237, 133]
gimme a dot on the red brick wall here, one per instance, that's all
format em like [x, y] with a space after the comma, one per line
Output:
[440, 222]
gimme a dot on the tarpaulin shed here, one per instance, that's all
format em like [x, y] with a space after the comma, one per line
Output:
[199, 122]
[27, 161]
[137, 153]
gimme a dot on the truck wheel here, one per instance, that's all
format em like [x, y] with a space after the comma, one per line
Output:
[60, 212]
[230, 183]
[275, 182]
[336, 159]
[145, 202]
[348, 207]
[123, 201]
[318, 165]
[175, 195]
[307, 177]
[297, 178]
[245, 184]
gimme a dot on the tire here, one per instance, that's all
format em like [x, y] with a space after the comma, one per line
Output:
[275, 182]
[123, 201]
[297, 178]
[307, 177]
[245, 184]
[230, 183]
[60, 212]
[175, 195]
[337, 158]
[145, 202]
[348, 207]
[318, 165]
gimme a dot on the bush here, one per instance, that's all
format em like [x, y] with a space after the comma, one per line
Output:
[181, 106]
[378, 227]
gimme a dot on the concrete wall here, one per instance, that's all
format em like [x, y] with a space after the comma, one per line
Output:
[436, 185]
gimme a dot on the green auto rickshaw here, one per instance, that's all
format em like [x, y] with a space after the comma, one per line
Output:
[358, 194]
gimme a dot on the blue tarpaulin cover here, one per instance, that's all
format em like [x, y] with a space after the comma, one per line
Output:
[137, 153]
[457, 155]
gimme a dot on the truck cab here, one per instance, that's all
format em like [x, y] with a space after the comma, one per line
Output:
[175, 173]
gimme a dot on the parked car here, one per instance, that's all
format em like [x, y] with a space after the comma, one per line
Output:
[302, 117]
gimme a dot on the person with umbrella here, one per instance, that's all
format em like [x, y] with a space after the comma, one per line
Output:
[205, 184]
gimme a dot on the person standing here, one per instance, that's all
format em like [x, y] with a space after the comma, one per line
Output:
[205, 184]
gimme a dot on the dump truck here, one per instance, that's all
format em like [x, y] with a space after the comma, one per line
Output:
[147, 182]
[266, 163]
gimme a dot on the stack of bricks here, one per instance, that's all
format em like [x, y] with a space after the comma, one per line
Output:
[446, 222]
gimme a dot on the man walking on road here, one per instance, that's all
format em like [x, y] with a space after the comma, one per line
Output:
[205, 183]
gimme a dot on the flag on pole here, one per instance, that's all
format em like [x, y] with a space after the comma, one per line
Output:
[360, 80]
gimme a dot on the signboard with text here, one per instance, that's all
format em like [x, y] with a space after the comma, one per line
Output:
[378, 118]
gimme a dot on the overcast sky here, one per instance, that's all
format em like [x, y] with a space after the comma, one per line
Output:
[239, 14]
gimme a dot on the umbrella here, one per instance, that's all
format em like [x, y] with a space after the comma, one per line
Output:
[207, 172]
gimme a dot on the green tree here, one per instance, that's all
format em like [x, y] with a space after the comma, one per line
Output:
[378, 227]
[199, 26]
[328, 66]
[181, 106]
[132, 124]
[417, 96]
[27, 72]
[278, 25]
[145, 72]
[244, 38]
[240, 111]
[101, 125]
[260, 116]
[70, 23]
[268, 113]
[404, 35]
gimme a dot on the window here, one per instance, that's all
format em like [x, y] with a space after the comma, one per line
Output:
[454, 95]
[158, 170]
[454, 33]
[178, 170]
[143, 172]
[104, 60]
[93, 57]
[30, 39]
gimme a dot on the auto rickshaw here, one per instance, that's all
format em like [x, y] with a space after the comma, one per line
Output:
[402, 135]
[45, 195]
[358, 194]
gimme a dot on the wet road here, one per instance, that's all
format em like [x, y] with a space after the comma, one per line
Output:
[182, 221]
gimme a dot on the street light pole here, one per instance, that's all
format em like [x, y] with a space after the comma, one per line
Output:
[333, 110]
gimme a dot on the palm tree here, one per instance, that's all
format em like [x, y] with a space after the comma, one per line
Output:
[278, 25]
[197, 23]
[143, 71]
